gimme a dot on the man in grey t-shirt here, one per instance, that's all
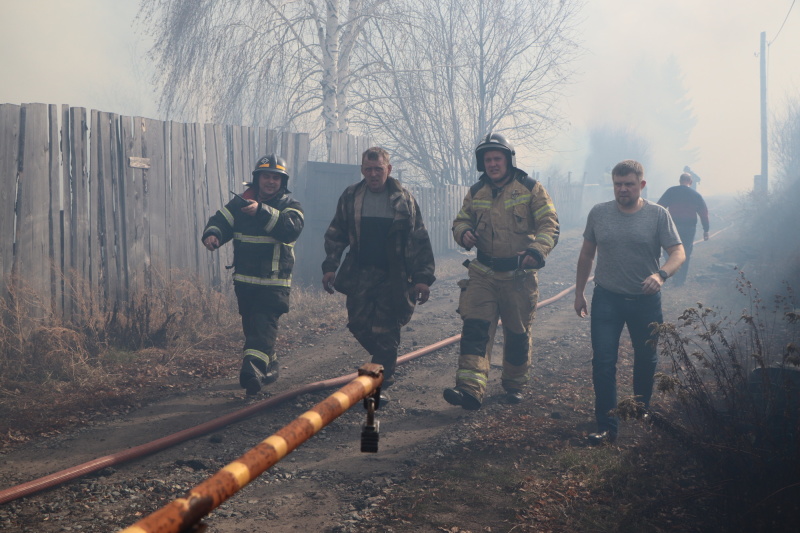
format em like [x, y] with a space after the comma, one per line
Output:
[627, 236]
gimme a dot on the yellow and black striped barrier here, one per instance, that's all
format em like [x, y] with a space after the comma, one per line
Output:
[183, 513]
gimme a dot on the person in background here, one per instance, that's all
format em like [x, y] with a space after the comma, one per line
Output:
[389, 266]
[264, 224]
[509, 217]
[685, 205]
[627, 234]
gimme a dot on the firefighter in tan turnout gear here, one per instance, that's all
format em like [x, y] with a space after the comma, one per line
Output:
[511, 220]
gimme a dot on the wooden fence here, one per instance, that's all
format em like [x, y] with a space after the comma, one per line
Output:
[106, 205]
[439, 207]
[119, 203]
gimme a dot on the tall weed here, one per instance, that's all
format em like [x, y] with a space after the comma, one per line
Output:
[735, 385]
[175, 316]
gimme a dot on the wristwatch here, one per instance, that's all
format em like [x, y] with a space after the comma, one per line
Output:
[663, 274]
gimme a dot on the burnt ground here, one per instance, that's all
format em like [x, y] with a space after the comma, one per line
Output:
[439, 468]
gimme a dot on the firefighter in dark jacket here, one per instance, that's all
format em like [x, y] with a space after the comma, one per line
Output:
[510, 219]
[264, 225]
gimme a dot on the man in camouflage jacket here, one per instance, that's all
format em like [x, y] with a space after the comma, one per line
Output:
[389, 266]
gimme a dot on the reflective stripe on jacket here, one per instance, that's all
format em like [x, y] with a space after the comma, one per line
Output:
[263, 245]
[517, 217]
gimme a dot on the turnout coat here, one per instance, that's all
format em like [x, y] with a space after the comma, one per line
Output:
[263, 245]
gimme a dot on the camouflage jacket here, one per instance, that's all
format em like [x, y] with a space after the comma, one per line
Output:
[263, 245]
[411, 256]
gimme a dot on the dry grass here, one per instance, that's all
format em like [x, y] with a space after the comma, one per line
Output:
[161, 339]
[174, 316]
[311, 308]
[100, 357]
[735, 386]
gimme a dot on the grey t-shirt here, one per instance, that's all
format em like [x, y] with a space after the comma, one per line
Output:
[628, 244]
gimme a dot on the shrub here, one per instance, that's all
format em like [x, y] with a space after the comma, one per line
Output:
[736, 388]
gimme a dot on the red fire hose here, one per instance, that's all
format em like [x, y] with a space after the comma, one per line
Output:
[142, 450]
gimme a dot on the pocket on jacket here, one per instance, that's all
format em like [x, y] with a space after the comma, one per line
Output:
[520, 216]
[346, 277]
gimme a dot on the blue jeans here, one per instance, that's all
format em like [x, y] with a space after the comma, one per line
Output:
[610, 311]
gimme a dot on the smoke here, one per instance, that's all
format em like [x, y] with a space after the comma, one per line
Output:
[635, 52]
[82, 53]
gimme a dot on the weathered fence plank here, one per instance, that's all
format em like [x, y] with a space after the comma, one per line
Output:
[218, 194]
[179, 201]
[101, 197]
[114, 250]
[238, 170]
[54, 211]
[249, 153]
[32, 254]
[78, 272]
[267, 142]
[95, 192]
[9, 165]
[136, 226]
[66, 215]
[154, 147]
[197, 184]
[439, 206]
[294, 149]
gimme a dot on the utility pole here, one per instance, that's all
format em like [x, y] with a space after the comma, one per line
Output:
[762, 182]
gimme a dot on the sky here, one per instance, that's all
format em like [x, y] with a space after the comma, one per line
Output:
[86, 53]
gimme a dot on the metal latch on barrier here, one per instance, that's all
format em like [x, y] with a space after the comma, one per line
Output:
[371, 428]
[369, 431]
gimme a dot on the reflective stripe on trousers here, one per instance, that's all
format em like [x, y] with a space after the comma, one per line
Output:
[485, 298]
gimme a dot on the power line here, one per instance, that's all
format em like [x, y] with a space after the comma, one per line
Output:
[784, 22]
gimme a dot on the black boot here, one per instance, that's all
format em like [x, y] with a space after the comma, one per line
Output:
[514, 396]
[251, 375]
[456, 396]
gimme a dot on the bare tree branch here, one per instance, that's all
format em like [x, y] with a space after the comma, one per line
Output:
[265, 62]
[448, 72]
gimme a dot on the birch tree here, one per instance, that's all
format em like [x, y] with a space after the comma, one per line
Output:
[273, 63]
[446, 73]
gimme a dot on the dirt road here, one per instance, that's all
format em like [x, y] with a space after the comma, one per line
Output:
[327, 484]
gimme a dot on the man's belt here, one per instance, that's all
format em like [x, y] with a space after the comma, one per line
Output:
[499, 264]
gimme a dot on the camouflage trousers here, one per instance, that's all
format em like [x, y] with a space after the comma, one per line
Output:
[484, 298]
[376, 311]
